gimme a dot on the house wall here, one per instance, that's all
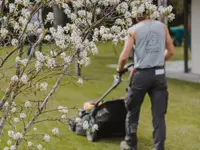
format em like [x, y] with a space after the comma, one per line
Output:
[195, 36]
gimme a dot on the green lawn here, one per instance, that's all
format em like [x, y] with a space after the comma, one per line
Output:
[183, 119]
[179, 54]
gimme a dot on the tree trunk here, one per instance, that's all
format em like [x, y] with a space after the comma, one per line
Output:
[59, 16]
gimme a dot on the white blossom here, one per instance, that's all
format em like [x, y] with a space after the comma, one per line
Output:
[80, 81]
[27, 104]
[162, 10]
[30, 27]
[3, 32]
[155, 15]
[63, 116]
[53, 53]
[39, 147]
[6, 104]
[51, 63]
[13, 147]
[62, 109]
[38, 65]
[127, 15]
[22, 115]
[153, 8]
[14, 42]
[26, 13]
[24, 79]
[47, 37]
[16, 26]
[39, 31]
[95, 127]
[16, 120]
[26, 2]
[21, 61]
[39, 56]
[13, 104]
[119, 22]
[67, 10]
[62, 55]
[15, 78]
[50, 16]
[6, 148]
[94, 49]
[67, 59]
[18, 1]
[17, 135]
[115, 41]
[43, 86]
[34, 129]
[84, 61]
[78, 120]
[55, 131]
[116, 29]
[141, 8]
[30, 144]
[13, 110]
[169, 8]
[98, 11]
[85, 125]
[46, 138]
[9, 142]
[134, 13]
[73, 16]
[23, 20]
[17, 59]
[171, 17]
[11, 133]
[123, 7]
[12, 7]
[24, 62]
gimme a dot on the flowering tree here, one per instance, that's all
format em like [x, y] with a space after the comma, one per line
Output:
[92, 21]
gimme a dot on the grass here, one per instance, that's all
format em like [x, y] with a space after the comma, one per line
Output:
[183, 120]
[179, 54]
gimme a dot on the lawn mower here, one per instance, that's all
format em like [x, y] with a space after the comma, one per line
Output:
[109, 116]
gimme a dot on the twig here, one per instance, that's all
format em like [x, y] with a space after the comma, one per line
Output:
[41, 106]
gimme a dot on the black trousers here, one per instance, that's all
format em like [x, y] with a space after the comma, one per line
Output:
[31, 40]
[153, 82]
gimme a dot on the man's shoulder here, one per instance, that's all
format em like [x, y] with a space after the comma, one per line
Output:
[135, 27]
[132, 29]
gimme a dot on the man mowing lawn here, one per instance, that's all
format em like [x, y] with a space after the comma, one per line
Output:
[150, 38]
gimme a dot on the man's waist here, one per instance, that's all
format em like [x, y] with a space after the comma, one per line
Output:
[150, 68]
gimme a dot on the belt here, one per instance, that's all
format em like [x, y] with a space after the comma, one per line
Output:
[152, 68]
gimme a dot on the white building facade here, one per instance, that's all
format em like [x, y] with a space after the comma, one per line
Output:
[195, 34]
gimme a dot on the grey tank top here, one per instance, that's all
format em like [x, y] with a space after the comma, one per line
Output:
[149, 44]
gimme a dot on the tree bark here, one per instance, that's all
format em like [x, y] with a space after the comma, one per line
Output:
[59, 16]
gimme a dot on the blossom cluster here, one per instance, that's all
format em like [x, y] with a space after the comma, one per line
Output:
[86, 125]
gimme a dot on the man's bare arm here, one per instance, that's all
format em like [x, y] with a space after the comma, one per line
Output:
[126, 52]
[169, 52]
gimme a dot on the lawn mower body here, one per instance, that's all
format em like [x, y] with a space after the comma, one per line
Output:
[109, 116]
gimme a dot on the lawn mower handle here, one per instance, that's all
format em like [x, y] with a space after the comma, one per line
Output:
[115, 84]
[125, 70]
